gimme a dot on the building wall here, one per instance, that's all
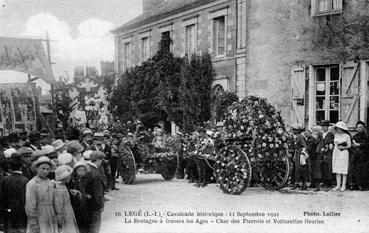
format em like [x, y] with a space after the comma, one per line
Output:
[225, 67]
[281, 34]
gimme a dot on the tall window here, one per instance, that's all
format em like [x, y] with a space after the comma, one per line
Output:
[327, 93]
[145, 48]
[219, 36]
[127, 55]
[326, 6]
[190, 39]
[165, 37]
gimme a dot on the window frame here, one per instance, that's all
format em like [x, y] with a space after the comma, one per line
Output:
[316, 12]
[213, 16]
[145, 37]
[216, 26]
[327, 96]
[192, 22]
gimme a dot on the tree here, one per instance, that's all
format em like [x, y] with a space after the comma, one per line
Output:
[64, 105]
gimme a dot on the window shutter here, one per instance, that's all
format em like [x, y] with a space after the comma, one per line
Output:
[298, 90]
[350, 92]
[313, 7]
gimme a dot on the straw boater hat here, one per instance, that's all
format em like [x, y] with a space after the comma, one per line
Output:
[41, 160]
[65, 158]
[86, 154]
[25, 151]
[63, 172]
[9, 152]
[58, 144]
[37, 154]
[341, 125]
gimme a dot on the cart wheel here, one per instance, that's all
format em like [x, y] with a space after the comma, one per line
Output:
[127, 165]
[274, 173]
[232, 170]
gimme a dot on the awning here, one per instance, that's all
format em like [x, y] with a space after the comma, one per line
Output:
[25, 55]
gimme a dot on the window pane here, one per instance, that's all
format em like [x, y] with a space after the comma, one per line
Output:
[219, 35]
[334, 88]
[320, 74]
[335, 74]
[323, 5]
[320, 103]
[320, 88]
[335, 4]
[165, 36]
[334, 102]
[320, 115]
[333, 116]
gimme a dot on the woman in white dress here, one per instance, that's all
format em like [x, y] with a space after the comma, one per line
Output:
[340, 156]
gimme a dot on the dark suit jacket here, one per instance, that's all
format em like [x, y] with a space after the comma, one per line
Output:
[95, 187]
[323, 143]
[13, 197]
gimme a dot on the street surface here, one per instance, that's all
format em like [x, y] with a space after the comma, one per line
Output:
[177, 203]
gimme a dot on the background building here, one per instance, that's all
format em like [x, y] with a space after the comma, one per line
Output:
[300, 54]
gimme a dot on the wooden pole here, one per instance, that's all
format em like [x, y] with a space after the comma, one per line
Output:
[53, 125]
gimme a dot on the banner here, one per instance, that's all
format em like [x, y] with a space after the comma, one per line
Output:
[17, 108]
[25, 55]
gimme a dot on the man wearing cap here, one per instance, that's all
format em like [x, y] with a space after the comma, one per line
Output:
[35, 140]
[87, 138]
[323, 166]
[95, 187]
[26, 153]
[12, 197]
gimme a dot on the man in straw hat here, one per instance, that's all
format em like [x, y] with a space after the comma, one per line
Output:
[12, 197]
[26, 154]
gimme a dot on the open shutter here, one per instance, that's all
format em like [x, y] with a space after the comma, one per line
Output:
[350, 93]
[298, 101]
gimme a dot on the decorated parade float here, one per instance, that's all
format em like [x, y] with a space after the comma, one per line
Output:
[252, 147]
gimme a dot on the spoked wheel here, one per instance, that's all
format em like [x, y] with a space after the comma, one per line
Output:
[232, 170]
[127, 165]
[274, 172]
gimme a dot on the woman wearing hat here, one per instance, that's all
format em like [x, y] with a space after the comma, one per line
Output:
[340, 156]
[63, 209]
[40, 200]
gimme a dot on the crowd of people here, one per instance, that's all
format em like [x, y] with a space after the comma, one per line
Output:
[330, 157]
[52, 184]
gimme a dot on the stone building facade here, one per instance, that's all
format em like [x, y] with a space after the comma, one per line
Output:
[271, 49]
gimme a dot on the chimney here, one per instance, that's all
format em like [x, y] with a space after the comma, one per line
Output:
[149, 5]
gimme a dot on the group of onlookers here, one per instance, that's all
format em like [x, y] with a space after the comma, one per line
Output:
[52, 185]
[331, 156]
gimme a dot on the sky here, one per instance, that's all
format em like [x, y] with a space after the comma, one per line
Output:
[79, 29]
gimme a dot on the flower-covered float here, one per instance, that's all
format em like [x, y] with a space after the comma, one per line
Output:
[256, 147]
[135, 155]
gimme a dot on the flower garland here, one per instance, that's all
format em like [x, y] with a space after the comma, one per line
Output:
[257, 128]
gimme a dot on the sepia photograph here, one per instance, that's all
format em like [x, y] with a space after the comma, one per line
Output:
[184, 116]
